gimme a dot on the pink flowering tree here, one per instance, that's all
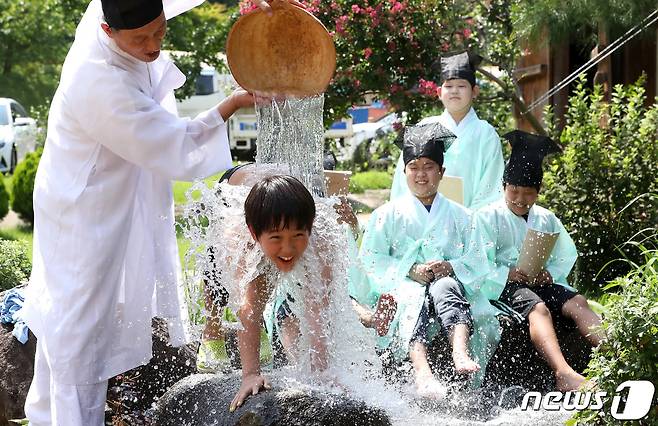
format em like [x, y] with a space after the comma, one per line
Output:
[388, 49]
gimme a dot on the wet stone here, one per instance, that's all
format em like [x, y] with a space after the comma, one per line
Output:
[204, 399]
[16, 367]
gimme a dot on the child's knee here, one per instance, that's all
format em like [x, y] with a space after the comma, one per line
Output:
[445, 287]
[540, 309]
[575, 305]
[577, 302]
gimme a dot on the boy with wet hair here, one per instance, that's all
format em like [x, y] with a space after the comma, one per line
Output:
[279, 212]
[413, 248]
[500, 230]
[476, 156]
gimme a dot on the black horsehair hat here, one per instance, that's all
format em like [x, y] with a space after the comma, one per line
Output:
[427, 140]
[524, 167]
[130, 14]
[461, 65]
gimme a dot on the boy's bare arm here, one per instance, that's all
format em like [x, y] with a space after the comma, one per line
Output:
[318, 324]
[250, 315]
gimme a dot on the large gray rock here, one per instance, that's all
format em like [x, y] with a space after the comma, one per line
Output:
[515, 362]
[3, 416]
[204, 399]
[131, 394]
[17, 368]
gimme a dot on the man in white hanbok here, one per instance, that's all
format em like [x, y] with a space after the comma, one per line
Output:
[105, 255]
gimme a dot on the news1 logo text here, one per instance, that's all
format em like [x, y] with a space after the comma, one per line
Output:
[631, 401]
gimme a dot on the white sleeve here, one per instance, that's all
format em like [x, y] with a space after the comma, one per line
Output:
[138, 129]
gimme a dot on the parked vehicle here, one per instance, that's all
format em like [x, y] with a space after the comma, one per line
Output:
[365, 132]
[18, 134]
[243, 132]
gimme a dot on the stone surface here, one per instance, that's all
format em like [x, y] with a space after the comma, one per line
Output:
[516, 362]
[3, 417]
[17, 366]
[203, 399]
[132, 394]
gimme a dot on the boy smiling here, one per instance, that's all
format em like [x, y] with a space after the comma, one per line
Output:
[476, 156]
[413, 249]
[500, 229]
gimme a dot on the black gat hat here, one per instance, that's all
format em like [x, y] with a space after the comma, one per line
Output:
[130, 14]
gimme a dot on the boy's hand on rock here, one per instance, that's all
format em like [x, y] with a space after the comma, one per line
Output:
[517, 276]
[544, 278]
[251, 385]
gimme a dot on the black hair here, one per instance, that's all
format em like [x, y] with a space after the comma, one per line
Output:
[276, 202]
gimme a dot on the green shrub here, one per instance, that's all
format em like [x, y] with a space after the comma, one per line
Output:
[610, 155]
[359, 182]
[15, 266]
[23, 186]
[631, 349]
[4, 199]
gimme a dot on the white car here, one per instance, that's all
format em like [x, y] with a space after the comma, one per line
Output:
[18, 134]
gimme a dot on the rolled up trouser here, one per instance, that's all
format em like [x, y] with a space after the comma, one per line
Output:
[450, 304]
[50, 403]
[445, 300]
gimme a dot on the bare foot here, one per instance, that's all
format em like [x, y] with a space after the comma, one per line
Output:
[430, 388]
[384, 313]
[464, 363]
[568, 380]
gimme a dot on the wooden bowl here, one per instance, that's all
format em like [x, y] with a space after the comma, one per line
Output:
[289, 53]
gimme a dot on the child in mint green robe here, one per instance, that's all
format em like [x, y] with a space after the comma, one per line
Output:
[476, 156]
[500, 230]
[404, 236]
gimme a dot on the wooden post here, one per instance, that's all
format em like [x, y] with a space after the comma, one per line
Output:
[603, 74]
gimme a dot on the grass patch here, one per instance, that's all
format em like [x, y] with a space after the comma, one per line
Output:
[359, 182]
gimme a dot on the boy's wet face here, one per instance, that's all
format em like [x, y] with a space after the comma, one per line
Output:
[284, 246]
[520, 199]
[457, 95]
[423, 177]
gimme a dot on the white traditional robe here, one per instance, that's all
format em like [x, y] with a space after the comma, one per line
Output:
[500, 233]
[105, 255]
[402, 232]
[476, 156]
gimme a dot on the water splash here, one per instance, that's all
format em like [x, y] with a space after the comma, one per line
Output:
[291, 132]
[222, 253]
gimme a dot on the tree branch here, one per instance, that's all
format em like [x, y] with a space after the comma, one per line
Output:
[516, 99]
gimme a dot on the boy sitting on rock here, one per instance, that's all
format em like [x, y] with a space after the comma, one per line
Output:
[500, 229]
[412, 249]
